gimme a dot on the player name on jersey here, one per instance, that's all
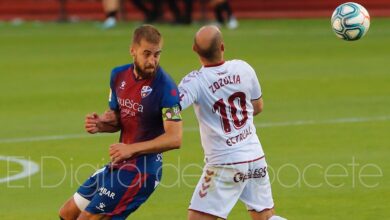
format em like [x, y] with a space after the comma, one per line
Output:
[231, 79]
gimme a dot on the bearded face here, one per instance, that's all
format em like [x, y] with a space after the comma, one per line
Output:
[146, 57]
[144, 70]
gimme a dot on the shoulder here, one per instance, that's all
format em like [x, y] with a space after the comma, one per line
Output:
[167, 87]
[119, 69]
[243, 67]
[192, 77]
[240, 63]
[164, 78]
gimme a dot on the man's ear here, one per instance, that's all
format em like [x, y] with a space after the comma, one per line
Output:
[132, 50]
[194, 47]
[222, 47]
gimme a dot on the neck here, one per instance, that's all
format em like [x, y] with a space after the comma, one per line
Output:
[141, 76]
[136, 75]
[216, 62]
[206, 63]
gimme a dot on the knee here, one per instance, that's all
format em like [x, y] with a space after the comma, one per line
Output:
[267, 214]
[262, 215]
[64, 213]
[85, 216]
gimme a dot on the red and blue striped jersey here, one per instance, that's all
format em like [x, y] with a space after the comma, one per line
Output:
[140, 104]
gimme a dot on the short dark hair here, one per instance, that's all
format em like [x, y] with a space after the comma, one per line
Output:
[211, 53]
[147, 32]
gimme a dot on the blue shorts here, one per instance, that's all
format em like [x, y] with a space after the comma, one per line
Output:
[118, 192]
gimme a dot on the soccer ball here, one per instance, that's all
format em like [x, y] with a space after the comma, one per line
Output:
[350, 21]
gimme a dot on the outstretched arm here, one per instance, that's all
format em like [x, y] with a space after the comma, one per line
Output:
[107, 122]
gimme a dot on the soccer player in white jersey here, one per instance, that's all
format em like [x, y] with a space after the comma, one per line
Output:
[226, 95]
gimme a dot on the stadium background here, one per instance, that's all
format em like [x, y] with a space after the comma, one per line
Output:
[92, 9]
[325, 127]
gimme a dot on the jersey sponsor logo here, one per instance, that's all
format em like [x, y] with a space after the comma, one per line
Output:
[123, 84]
[145, 91]
[105, 192]
[240, 137]
[227, 80]
[256, 173]
[131, 105]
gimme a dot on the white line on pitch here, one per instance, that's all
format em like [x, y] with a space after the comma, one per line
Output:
[28, 168]
[191, 129]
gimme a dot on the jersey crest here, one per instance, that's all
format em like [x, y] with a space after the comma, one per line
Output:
[145, 91]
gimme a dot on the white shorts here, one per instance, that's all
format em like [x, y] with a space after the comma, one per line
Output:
[220, 187]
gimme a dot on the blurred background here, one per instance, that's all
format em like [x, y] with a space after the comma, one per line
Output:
[130, 10]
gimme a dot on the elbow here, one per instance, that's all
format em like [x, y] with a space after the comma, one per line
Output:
[258, 110]
[258, 106]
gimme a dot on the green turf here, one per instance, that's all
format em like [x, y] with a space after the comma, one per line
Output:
[314, 87]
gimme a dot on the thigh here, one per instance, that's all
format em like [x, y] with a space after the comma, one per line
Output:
[90, 187]
[77, 203]
[121, 192]
[216, 192]
[257, 194]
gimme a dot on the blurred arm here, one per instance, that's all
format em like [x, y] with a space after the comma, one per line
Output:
[258, 106]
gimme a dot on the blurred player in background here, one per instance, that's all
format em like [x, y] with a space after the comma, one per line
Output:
[144, 107]
[220, 8]
[181, 16]
[226, 95]
[111, 8]
[153, 12]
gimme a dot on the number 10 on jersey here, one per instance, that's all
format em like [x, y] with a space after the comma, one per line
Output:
[221, 108]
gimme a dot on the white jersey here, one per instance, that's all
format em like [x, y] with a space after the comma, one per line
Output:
[222, 97]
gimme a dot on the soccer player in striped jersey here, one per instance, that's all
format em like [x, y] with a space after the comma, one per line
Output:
[144, 107]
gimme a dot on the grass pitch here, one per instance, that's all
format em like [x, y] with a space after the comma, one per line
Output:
[325, 126]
